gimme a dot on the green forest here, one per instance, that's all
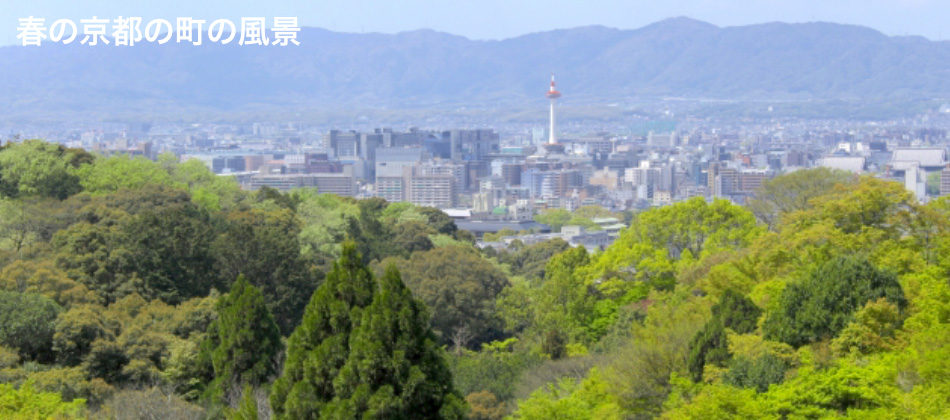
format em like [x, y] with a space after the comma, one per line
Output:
[132, 288]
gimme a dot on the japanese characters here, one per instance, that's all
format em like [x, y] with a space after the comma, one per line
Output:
[128, 31]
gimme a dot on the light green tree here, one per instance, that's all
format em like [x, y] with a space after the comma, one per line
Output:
[112, 174]
[26, 403]
[555, 218]
[35, 167]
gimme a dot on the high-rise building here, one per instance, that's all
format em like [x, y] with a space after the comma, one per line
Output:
[712, 178]
[345, 144]
[456, 171]
[391, 188]
[431, 190]
[511, 172]
[472, 145]
[727, 182]
[750, 181]
[945, 181]
[390, 161]
[667, 180]
[343, 184]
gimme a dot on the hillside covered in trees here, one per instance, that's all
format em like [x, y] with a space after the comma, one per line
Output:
[139, 289]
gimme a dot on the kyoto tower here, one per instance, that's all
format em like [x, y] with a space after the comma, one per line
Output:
[552, 94]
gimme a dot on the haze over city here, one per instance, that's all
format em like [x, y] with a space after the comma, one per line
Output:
[499, 19]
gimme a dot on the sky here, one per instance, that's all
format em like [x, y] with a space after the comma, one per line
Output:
[499, 19]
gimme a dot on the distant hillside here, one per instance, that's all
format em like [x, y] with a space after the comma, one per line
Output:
[675, 57]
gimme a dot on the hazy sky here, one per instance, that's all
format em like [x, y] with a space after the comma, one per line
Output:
[495, 19]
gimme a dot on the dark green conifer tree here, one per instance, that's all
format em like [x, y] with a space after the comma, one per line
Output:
[242, 343]
[319, 347]
[364, 352]
[822, 304]
[395, 369]
[734, 311]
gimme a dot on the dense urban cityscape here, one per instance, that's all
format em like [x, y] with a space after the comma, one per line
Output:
[499, 178]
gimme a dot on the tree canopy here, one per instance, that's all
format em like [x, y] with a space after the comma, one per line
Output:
[364, 349]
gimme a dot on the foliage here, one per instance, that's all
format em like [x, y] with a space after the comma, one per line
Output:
[172, 252]
[42, 277]
[496, 368]
[442, 241]
[933, 184]
[715, 401]
[844, 387]
[485, 406]
[242, 344]
[660, 238]
[373, 239]
[27, 222]
[37, 168]
[460, 287]
[568, 399]
[640, 370]
[112, 174]
[583, 222]
[497, 236]
[822, 304]
[150, 403]
[76, 330]
[27, 323]
[209, 191]
[27, 403]
[325, 219]
[554, 345]
[593, 212]
[263, 246]
[152, 241]
[364, 349]
[792, 192]
[112, 274]
[529, 261]
[72, 383]
[247, 409]
[711, 346]
[737, 312]
[412, 236]
[757, 374]
[441, 222]
[873, 329]
[555, 218]
[318, 347]
[395, 368]
[562, 307]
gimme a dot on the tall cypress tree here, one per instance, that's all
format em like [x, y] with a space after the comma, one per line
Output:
[242, 343]
[395, 369]
[318, 348]
[364, 352]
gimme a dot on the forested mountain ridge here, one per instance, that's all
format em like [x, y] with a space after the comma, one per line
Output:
[131, 288]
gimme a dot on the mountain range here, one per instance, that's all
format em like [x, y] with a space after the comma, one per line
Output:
[677, 57]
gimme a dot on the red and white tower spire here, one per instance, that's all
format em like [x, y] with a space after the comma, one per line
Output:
[552, 94]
